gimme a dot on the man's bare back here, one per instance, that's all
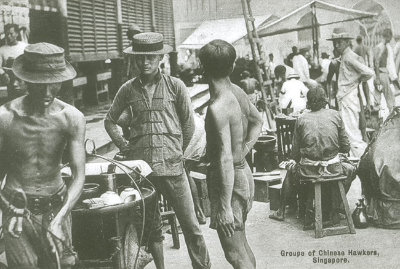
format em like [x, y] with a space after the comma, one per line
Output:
[32, 145]
[232, 127]
[226, 110]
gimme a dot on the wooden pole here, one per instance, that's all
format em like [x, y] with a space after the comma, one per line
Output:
[314, 28]
[251, 33]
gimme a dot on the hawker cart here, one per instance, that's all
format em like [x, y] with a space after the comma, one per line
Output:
[106, 237]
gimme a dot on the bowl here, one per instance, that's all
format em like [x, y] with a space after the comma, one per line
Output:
[90, 190]
[111, 198]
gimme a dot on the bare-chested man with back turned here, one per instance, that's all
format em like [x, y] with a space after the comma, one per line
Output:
[233, 125]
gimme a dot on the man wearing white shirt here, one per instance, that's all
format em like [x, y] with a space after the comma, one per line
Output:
[300, 64]
[11, 50]
[293, 93]
[385, 68]
[352, 71]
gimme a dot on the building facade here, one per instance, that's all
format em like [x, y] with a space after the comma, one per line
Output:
[190, 13]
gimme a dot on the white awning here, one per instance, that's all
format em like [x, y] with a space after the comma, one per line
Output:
[325, 14]
[230, 30]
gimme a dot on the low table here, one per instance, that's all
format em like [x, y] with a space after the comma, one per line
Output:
[262, 181]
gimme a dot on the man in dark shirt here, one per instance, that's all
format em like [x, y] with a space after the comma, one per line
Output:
[318, 138]
[161, 127]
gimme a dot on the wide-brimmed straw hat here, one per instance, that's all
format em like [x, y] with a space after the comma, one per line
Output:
[148, 43]
[340, 33]
[43, 63]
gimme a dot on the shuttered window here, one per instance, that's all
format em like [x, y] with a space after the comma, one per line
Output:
[137, 12]
[92, 29]
[164, 21]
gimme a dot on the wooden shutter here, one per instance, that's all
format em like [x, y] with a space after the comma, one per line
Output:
[92, 29]
[164, 20]
[137, 12]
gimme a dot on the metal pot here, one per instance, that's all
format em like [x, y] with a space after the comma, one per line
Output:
[265, 143]
[90, 190]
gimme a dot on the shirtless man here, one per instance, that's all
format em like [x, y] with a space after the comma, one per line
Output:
[34, 131]
[232, 126]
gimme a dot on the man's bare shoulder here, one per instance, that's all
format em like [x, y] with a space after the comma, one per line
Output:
[71, 113]
[237, 91]
[225, 106]
[6, 115]
[241, 97]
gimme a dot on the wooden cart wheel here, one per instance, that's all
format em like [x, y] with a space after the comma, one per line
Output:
[131, 243]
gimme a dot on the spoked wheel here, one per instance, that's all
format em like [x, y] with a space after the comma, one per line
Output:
[131, 245]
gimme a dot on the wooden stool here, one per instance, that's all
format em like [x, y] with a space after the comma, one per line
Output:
[168, 213]
[201, 184]
[262, 180]
[319, 230]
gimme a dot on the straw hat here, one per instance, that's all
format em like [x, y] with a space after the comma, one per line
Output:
[293, 74]
[43, 63]
[148, 43]
[340, 33]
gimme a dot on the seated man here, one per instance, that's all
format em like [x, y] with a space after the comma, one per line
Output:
[318, 138]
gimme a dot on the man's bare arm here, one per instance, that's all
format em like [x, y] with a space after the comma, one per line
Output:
[254, 128]
[226, 169]
[76, 150]
[77, 163]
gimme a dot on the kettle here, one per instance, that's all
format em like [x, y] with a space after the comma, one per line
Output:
[359, 215]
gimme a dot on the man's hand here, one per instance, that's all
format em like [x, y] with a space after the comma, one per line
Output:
[225, 221]
[55, 235]
[15, 226]
[377, 80]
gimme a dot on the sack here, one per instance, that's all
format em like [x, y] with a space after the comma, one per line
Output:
[197, 145]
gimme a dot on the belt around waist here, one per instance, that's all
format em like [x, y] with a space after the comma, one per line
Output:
[40, 204]
[237, 165]
[307, 162]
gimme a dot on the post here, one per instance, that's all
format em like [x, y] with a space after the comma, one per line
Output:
[153, 16]
[314, 24]
[250, 35]
[119, 27]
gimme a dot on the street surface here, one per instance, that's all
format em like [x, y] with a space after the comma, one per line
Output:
[269, 238]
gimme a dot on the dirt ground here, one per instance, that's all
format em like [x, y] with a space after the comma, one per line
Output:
[285, 245]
